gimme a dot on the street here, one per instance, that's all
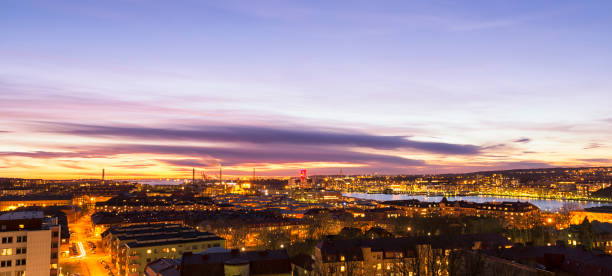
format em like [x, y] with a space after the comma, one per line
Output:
[88, 260]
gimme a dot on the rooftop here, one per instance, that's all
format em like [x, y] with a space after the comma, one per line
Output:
[164, 266]
[600, 209]
[265, 262]
[22, 215]
[35, 197]
[591, 261]
[352, 248]
[175, 238]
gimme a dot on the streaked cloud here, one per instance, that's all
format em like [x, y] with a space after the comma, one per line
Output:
[212, 156]
[300, 135]
[593, 146]
[523, 140]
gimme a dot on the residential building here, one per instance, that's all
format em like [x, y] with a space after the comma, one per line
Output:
[139, 250]
[397, 256]
[560, 259]
[595, 235]
[163, 267]
[29, 244]
[235, 262]
[8, 203]
[602, 214]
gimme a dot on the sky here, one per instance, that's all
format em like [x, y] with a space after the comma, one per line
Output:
[156, 88]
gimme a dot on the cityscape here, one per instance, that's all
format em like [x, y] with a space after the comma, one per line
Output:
[305, 138]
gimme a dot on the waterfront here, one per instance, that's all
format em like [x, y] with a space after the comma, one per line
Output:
[549, 205]
[158, 181]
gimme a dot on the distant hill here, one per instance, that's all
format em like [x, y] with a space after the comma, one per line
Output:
[603, 193]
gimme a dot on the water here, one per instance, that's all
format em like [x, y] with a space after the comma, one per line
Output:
[549, 205]
[159, 181]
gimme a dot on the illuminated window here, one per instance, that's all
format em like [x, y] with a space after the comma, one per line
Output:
[342, 268]
[148, 251]
[6, 252]
[342, 258]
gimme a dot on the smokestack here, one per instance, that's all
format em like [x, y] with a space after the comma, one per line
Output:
[102, 175]
[193, 176]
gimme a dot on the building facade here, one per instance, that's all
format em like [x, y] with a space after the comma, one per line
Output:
[396, 256]
[29, 244]
[133, 247]
[8, 203]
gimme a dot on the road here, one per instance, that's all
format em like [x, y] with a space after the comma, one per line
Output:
[86, 263]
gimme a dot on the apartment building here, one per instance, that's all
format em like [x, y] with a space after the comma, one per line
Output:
[227, 263]
[133, 247]
[29, 244]
[396, 256]
[8, 203]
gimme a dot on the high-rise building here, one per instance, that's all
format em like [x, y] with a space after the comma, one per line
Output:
[30, 244]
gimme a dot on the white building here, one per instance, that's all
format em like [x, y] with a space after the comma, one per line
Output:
[29, 244]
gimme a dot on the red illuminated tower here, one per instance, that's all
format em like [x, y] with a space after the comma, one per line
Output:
[302, 178]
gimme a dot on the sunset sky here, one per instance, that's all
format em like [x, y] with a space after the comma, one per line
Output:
[156, 88]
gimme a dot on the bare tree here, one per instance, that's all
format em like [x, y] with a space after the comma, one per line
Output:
[565, 212]
[405, 266]
[465, 263]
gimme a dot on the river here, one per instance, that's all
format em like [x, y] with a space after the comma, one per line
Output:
[549, 205]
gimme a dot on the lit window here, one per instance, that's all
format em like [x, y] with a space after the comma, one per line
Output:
[342, 268]
[148, 251]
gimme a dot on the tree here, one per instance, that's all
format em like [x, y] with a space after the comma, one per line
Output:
[465, 263]
[303, 247]
[350, 233]
[352, 268]
[565, 216]
[586, 235]
[377, 233]
[405, 265]
[435, 262]
[320, 225]
[239, 236]
[274, 239]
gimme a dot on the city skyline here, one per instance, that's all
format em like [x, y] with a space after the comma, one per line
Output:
[155, 89]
